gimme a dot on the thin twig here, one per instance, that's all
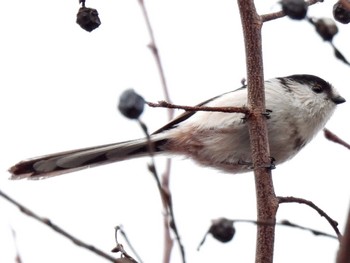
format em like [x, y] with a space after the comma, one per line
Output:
[119, 247]
[338, 54]
[164, 104]
[165, 195]
[168, 240]
[291, 199]
[82, 3]
[57, 229]
[334, 138]
[166, 175]
[280, 14]
[285, 223]
[153, 46]
[122, 232]
[313, 231]
[18, 256]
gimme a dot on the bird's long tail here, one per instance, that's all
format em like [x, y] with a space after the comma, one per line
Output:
[70, 161]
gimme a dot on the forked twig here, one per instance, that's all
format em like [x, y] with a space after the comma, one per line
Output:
[291, 199]
[119, 247]
[281, 223]
[57, 229]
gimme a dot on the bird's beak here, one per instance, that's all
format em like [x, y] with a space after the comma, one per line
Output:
[338, 99]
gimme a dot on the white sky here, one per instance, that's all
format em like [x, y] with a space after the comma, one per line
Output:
[60, 86]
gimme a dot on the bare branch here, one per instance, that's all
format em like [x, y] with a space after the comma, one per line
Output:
[166, 175]
[343, 255]
[291, 199]
[153, 47]
[119, 247]
[334, 138]
[57, 229]
[122, 232]
[164, 104]
[313, 231]
[267, 203]
[286, 223]
[18, 256]
[261, 223]
[168, 241]
[272, 16]
[280, 14]
[167, 204]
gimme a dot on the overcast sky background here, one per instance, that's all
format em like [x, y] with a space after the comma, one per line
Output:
[59, 88]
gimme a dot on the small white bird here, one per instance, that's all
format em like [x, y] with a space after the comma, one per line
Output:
[300, 106]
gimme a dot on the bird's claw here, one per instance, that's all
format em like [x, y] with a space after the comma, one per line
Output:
[267, 113]
[270, 166]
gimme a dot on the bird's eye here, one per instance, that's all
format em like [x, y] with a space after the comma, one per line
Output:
[317, 89]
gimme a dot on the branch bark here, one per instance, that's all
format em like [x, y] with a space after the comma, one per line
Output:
[343, 255]
[267, 202]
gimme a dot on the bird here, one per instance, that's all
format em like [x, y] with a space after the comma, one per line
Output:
[299, 106]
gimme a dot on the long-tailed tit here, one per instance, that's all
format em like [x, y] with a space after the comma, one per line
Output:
[300, 106]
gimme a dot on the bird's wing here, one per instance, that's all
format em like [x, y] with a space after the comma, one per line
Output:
[187, 114]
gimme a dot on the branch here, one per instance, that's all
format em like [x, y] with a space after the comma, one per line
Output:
[166, 175]
[287, 223]
[280, 14]
[343, 255]
[169, 242]
[267, 203]
[164, 104]
[258, 223]
[18, 258]
[334, 138]
[153, 46]
[291, 199]
[167, 203]
[313, 231]
[57, 229]
[118, 249]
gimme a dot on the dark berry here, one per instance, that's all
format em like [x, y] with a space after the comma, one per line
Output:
[131, 104]
[88, 18]
[326, 28]
[294, 9]
[341, 13]
[222, 229]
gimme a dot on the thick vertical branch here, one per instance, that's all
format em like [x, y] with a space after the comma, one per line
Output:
[267, 202]
[343, 255]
